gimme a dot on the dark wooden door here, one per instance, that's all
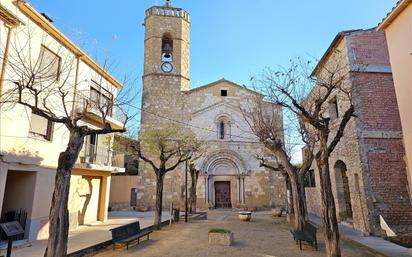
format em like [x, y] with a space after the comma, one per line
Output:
[222, 194]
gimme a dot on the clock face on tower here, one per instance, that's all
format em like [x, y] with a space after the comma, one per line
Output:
[167, 67]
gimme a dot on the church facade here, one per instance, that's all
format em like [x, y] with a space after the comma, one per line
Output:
[230, 174]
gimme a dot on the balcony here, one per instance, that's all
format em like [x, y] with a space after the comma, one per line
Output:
[101, 158]
[92, 110]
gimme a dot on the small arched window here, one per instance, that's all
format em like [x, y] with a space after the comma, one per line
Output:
[222, 130]
[167, 48]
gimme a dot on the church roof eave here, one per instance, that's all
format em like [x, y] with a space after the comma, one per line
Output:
[220, 81]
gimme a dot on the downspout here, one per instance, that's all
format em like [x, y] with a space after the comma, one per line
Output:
[5, 58]
[76, 80]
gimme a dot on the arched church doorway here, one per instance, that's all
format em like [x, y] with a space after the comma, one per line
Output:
[343, 192]
[222, 194]
[225, 173]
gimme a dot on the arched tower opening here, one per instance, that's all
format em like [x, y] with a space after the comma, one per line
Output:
[167, 48]
[343, 191]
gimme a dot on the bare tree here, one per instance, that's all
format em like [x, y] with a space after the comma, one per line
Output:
[164, 149]
[45, 82]
[266, 124]
[308, 96]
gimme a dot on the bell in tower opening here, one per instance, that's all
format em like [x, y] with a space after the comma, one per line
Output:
[167, 48]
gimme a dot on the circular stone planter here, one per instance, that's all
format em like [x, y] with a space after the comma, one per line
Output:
[245, 215]
[277, 212]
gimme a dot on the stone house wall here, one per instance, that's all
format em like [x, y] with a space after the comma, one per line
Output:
[371, 148]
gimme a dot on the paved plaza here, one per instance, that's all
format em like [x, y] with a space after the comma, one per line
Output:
[264, 236]
[87, 236]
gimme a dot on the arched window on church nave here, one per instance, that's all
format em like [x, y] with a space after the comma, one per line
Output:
[167, 48]
[223, 128]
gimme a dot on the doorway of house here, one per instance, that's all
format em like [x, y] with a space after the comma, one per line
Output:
[222, 194]
[18, 199]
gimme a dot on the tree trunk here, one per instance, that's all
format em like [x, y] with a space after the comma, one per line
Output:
[159, 199]
[59, 216]
[289, 200]
[193, 194]
[298, 201]
[298, 191]
[328, 203]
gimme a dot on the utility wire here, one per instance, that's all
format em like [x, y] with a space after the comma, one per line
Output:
[175, 121]
[186, 124]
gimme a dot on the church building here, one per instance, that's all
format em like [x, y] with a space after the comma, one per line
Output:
[230, 173]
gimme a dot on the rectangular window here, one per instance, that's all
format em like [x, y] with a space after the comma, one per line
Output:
[106, 102]
[309, 180]
[223, 92]
[333, 109]
[94, 98]
[101, 99]
[49, 67]
[41, 127]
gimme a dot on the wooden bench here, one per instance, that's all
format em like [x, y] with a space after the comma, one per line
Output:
[307, 234]
[128, 233]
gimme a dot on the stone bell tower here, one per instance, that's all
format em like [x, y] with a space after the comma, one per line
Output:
[165, 80]
[166, 63]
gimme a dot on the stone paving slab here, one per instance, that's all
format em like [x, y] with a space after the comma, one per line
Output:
[87, 236]
[377, 244]
[264, 236]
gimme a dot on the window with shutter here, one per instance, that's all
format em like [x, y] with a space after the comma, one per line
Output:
[41, 127]
[49, 67]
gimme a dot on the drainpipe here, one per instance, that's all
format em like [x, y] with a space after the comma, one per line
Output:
[5, 58]
[76, 80]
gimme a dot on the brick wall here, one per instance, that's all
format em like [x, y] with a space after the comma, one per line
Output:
[370, 48]
[388, 180]
[372, 147]
[378, 106]
[379, 132]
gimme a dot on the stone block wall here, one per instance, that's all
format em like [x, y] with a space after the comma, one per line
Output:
[371, 148]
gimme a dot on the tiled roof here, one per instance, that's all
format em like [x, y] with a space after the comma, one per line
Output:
[396, 10]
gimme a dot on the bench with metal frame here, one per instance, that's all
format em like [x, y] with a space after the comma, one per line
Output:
[129, 233]
[307, 234]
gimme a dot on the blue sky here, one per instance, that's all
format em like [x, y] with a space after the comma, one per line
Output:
[234, 39]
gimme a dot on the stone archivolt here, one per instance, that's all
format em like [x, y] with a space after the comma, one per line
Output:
[224, 163]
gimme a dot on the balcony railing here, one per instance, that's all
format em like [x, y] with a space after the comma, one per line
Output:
[86, 105]
[101, 156]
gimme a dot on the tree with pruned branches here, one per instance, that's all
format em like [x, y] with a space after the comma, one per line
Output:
[46, 82]
[164, 149]
[306, 97]
[264, 122]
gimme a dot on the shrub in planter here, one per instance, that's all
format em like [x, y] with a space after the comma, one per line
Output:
[220, 236]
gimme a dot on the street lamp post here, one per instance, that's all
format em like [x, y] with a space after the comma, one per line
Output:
[186, 193]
